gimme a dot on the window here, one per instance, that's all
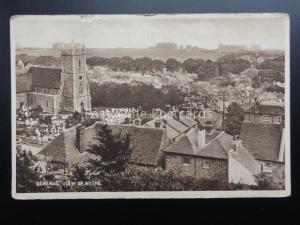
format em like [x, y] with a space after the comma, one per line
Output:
[205, 164]
[80, 77]
[80, 88]
[46, 103]
[266, 119]
[186, 161]
[279, 119]
[79, 63]
[267, 167]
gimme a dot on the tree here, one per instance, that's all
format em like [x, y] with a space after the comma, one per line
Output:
[234, 119]
[26, 176]
[264, 181]
[114, 151]
[77, 116]
[190, 65]
[156, 179]
[157, 65]
[172, 65]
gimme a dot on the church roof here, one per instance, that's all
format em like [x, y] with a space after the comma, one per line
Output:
[45, 77]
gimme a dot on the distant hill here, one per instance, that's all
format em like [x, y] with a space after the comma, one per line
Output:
[161, 51]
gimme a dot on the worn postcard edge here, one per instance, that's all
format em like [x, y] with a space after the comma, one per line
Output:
[163, 194]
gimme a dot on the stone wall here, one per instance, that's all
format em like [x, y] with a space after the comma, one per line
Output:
[197, 166]
[49, 103]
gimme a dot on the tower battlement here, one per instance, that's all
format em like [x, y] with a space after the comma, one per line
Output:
[73, 51]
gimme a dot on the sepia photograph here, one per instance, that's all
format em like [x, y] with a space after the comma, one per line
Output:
[150, 106]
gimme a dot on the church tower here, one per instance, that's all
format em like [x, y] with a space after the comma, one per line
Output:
[75, 87]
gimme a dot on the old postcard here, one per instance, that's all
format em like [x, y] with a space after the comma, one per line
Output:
[150, 106]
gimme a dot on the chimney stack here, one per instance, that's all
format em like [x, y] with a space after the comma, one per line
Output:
[201, 139]
[235, 143]
[157, 123]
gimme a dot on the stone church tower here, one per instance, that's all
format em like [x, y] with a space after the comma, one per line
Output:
[75, 87]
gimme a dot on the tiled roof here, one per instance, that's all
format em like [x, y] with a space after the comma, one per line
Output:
[217, 147]
[262, 140]
[146, 142]
[189, 122]
[45, 77]
[183, 145]
[63, 149]
[173, 126]
[246, 159]
[23, 83]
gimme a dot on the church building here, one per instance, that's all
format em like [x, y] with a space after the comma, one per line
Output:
[54, 89]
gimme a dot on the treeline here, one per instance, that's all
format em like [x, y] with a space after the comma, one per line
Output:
[125, 95]
[50, 61]
[203, 68]
[276, 64]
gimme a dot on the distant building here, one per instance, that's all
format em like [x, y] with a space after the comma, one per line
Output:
[231, 47]
[255, 47]
[265, 112]
[56, 90]
[20, 67]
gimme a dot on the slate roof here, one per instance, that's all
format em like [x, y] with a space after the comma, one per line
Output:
[45, 77]
[267, 109]
[23, 83]
[173, 126]
[262, 140]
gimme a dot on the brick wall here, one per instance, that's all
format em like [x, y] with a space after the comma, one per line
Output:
[197, 166]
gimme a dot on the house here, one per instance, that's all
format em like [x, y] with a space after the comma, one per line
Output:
[174, 126]
[266, 142]
[215, 155]
[57, 89]
[209, 120]
[265, 112]
[71, 146]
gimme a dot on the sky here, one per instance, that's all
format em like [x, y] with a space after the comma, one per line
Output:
[204, 31]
